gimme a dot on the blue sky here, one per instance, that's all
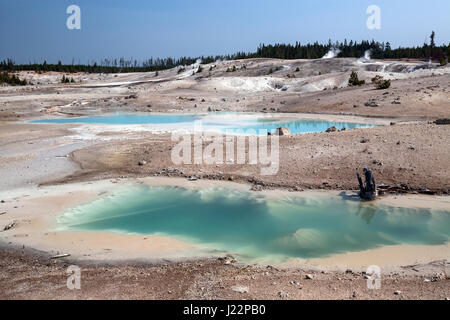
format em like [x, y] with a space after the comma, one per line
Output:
[34, 30]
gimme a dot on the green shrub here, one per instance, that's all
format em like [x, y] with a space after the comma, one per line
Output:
[443, 61]
[64, 79]
[354, 80]
[376, 79]
[380, 83]
[12, 80]
[383, 84]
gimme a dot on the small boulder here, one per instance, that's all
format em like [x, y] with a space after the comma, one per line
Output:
[227, 260]
[371, 104]
[282, 131]
[240, 289]
[364, 140]
[331, 129]
[9, 225]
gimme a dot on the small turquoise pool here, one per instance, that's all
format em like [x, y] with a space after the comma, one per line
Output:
[221, 122]
[254, 226]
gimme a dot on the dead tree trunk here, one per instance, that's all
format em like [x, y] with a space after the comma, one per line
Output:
[367, 191]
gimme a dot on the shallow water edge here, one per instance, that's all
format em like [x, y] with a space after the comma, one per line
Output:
[42, 206]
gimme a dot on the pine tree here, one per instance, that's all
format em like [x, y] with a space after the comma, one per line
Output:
[432, 43]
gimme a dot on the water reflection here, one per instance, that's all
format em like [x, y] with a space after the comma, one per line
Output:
[368, 211]
[252, 225]
[227, 122]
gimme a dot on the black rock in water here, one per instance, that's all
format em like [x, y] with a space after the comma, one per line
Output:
[367, 191]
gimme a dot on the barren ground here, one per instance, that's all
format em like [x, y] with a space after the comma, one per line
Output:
[28, 275]
[410, 156]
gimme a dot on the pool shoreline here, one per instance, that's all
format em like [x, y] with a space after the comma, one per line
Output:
[216, 122]
[38, 208]
[354, 118]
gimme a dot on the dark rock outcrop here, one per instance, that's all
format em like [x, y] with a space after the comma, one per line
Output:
[367, 191]
[442, 121]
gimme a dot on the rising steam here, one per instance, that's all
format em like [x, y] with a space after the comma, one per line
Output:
[366, 57]
[332, 53]
[190, 70]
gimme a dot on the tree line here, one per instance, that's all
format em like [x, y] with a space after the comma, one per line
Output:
[354, 49]
[347, 49]
[121, 65]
